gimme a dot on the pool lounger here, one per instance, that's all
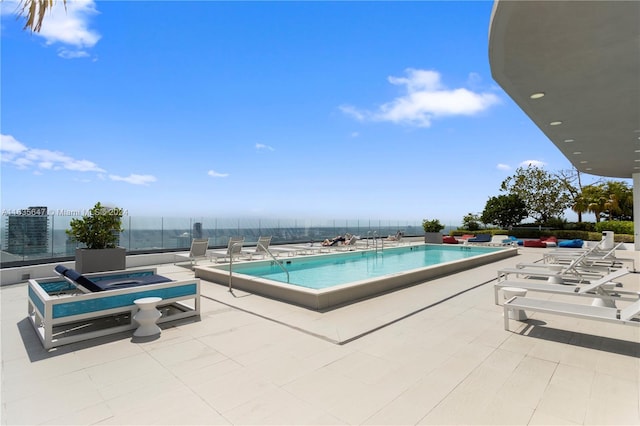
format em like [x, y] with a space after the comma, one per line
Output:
[626, 316]
[104, 283]
[557, 274]
[602, 288]
[63, 311]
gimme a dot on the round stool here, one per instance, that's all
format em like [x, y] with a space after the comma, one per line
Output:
[509, 292]
[147, 316]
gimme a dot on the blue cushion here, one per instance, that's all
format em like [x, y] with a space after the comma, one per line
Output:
[107, 284]
[577, 243]
[78, 278]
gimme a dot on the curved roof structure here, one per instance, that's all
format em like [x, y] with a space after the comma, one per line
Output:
[574, 68]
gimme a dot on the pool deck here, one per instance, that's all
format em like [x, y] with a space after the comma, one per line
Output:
[435, 353]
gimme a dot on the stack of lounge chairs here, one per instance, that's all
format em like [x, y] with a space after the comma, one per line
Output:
[588, 274]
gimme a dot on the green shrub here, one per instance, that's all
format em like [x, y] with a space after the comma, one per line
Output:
[432, 225]
[617, 226]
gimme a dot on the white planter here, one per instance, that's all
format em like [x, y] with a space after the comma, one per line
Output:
[433, 238]
[100, 260]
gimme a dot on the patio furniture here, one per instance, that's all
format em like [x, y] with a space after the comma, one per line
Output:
[234, 249]
[626, 316]
[598, 289]
[510, 292]
[198, 250]
[63, 311]
[534, 243]
[480, 239]
[147, 316]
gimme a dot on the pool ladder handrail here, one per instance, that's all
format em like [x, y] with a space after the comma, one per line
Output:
[375, 241]
[266, 250]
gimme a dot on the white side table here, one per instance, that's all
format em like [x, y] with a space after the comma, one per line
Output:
[509, 292]
[147, 316]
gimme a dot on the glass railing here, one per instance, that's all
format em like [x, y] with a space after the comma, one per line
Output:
[43, 238]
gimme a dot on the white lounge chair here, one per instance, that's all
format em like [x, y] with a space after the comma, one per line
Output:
[350, 244]
[394, 239]
[556, 273]
[500, 240]
[264, 249]
[234, 249]
[626, 316]
[599, 288]
[198, 250]
[596, 257]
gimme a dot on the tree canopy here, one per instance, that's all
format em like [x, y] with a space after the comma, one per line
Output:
[544, 195]
[504, 211]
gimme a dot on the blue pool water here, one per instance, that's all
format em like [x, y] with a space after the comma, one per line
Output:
[332, 270]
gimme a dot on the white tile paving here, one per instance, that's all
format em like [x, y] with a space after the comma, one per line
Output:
[252, 360]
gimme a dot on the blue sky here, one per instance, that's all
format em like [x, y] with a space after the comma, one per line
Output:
[345, 110]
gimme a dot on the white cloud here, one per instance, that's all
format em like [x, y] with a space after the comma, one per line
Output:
[503, 167]
[353, 112]
[23, 157]
[134, 179]
[260, 146]
[426, 98]
[534, 163]
[213, 173]
[72, 54]
[10, 148]
[65, 24]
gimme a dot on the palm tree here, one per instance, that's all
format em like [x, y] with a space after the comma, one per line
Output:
[34, 10]
[594, 198]
[580, 205]
[612, 205]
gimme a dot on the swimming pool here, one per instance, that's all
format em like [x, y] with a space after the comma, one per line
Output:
[329, 280]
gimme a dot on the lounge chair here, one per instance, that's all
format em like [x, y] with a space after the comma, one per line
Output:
[626, 316]
[81, 307]
[480, 239]
[595, 257]
[599, 288]
[87, 285]
[394, 239]
[500, 240]
[555, 273]
[198, 250]
[264, 249]
[310, 248]
[234, 249]
[349, 245]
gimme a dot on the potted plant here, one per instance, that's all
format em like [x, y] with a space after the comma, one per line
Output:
[99, 233]
[432, 230]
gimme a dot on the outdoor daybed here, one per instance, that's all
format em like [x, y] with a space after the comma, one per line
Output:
[63, 310]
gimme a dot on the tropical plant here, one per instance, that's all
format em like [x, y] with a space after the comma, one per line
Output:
[619, 204]
[34, 12]
[505, 211]
[99, 229]
[432, 225]
[571, 179]
[471, 222]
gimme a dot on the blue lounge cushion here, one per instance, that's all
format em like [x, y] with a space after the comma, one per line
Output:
[577, 243]
[481, 238]
[77, 278]
[108, 284]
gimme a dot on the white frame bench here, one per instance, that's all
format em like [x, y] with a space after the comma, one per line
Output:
[54, 302]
